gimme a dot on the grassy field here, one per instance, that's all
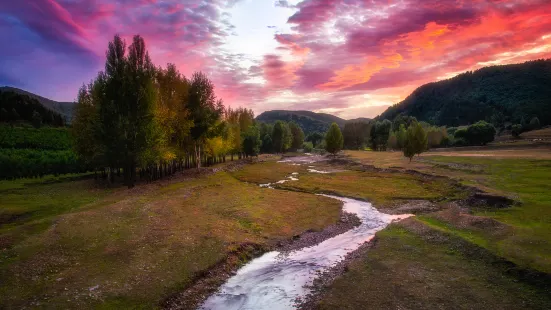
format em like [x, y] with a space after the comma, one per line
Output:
[453, 258]
[414, 267]
[71, 244]
[519, 174]
[384, 189]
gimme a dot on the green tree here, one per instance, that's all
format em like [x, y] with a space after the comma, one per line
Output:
[281, 137]
[333, 139]
[267, 145]
[204, 111]
[416, 140]
[401, 136]
[392, 141]
[85, 128]
[315, 138]
[251, 141]
[308, 146]
[140, 131]
[379, 134]
[480, 133]
[297, 134]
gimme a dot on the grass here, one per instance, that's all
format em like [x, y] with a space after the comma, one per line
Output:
[133, 248]
[521, 174]
[414, 267]
[527, 181]
[267, 171]
[384, 189]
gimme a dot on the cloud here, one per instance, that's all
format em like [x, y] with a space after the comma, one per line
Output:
[351, 57]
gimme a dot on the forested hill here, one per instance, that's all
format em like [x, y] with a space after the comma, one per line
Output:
[309, 121]
[497, 94]
[17, 106]
[65, 109]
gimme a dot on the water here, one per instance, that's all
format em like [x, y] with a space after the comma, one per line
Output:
[275, 280]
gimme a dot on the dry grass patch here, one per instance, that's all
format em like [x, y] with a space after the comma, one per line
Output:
[141, 248]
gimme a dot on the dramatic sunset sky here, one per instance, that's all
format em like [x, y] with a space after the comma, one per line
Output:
[350, 58]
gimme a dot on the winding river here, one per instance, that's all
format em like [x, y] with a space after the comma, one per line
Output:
[275, 280]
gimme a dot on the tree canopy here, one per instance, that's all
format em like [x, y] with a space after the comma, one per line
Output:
[333, 139]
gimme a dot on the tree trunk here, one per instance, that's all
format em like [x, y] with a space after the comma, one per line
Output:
[198, 155]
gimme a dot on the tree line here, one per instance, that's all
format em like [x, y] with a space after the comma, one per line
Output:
[404, 134]
[142, 119]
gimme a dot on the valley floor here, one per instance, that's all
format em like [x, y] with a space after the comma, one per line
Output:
[73, 244]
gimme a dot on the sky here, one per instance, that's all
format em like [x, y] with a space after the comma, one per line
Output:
[351, 58]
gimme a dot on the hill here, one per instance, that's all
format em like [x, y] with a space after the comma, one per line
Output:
[19, 107]
[309, 121]
[65, 109]
[497, 94]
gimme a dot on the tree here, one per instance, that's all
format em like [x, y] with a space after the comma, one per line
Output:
[401, 136]
[436, 136]
[392, 141]
[281, 137]
[356, 135]
[251, 141]
[266, 136]
[204, 111]
[298, 135]
[308, 146]
[516, 130]
[315, 138]
[402, 120]
[379, 135]
[171, 112]
[534, 123]
[140, 131]
[267, 145]
[85, 127]
[416, 140]
[333, 139]
[480, 133]
[36, 119]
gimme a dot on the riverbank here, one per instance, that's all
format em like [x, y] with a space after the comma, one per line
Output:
[78, 245]
[448, 247]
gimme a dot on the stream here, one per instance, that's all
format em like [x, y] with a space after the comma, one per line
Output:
[275, 280]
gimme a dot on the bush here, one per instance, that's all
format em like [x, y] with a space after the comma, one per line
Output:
[516, 130]
[308, 146]
[480, 133]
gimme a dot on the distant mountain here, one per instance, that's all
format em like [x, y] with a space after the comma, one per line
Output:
[309, 121]
[65, 109]
[359, 120]
[497, 94]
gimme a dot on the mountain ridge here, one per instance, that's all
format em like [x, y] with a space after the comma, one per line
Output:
[501, 95]
[309, 121]
[65, 109]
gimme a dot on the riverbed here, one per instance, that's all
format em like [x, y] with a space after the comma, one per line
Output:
[277, 279]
